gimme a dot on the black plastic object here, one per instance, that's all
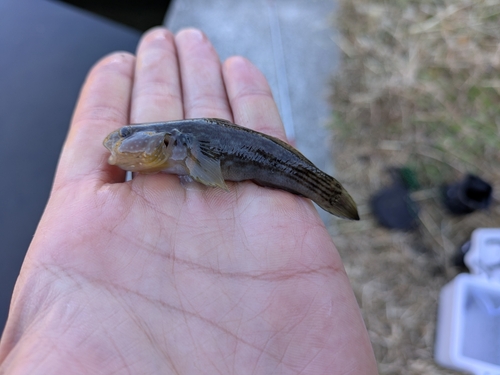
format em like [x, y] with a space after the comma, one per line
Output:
[394, 209]
[468, 195]
[139, 14]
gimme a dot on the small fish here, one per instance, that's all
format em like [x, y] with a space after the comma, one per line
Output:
[212, 151]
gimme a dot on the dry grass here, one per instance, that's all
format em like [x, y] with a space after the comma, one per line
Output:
[419, 86]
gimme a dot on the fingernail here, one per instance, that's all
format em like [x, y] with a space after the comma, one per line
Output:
[191, 33]
[159, 33]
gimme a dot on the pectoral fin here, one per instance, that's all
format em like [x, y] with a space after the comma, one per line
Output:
[205, 169]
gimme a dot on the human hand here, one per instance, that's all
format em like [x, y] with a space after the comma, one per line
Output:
[146, 277]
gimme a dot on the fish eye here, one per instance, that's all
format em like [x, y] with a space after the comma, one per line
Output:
[125, 131]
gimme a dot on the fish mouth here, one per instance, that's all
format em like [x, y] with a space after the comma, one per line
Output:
[138, 151]
[111, 140]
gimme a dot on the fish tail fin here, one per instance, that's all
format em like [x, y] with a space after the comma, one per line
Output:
[344, 207]
[334, 198]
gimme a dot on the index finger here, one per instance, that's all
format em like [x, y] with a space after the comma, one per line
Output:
[102, 107]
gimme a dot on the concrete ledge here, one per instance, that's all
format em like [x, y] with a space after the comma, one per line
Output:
[291, 42]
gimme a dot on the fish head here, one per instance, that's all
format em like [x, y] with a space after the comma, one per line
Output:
[137, 150]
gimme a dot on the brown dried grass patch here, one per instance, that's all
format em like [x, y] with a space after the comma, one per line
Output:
[419, 86]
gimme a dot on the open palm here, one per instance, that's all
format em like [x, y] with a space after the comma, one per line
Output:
[147, 277]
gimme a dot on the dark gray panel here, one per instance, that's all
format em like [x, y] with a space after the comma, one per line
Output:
[46, 49]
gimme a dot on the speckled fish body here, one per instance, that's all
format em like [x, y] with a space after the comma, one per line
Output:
[212, 151]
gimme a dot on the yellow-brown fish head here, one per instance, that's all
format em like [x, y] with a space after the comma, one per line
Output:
[137, 151]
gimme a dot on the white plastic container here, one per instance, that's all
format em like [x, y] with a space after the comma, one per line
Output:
[483, 257]
[468, 329]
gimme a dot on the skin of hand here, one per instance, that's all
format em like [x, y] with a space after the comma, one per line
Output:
[146, 277]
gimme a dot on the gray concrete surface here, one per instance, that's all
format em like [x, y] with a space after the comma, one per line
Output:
[291, 43]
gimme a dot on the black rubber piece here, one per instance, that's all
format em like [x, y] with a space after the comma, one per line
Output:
[394, 209]
[468, 195]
